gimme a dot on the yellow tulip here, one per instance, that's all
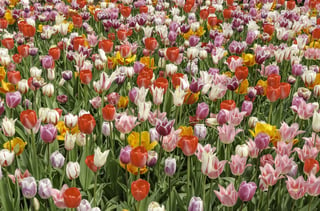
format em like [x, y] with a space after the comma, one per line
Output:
[14, 142]
[133, 140]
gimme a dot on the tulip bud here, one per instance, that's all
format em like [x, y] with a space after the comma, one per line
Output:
[152, 158]
[67, 75]
[106, 128]
[196, 204]
[252, 122]
[100, 158]
[48, 133]
[57, 159]
[70, 120]
[125, 154]
[73, 170]
[23, 86]
[247, 190]
[6, 157]
[242, 150]
[84, 205]
[36, 204]
[200, 131]
[29, 187]
[8, 127]
[262, 140]
[170, 166]
[48, 90]
[44, 188]
[316, 91]
[69, 141]
[202, 110]
[316, 122]
[155, 206]
[81, 139]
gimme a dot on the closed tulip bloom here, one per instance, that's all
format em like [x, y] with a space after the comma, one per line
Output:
[86, 123]
[242, 150]
[169, 142]
[106, 128]
[47, 62]
[13, 99]
[228, 197]
[155, 206]
[316, 122]
[227, 133]
[6, 157]
[72, 197]
[85, 76]
[170, 166]
[84, 205]
[223, 116]
[125, 154]
[164, 127]
[140, 189]
[313, 185]
[157, 94]
[296, 188]
[188, 144]
[247, 191]
[28, 118]
[262, 140]
[57, 159]
[152, 158]
[144, 110]
[48, 133]
[238, 164]
[108, 112]
[8, 127]
[273, 93]
[195, 204]
[311, 166]
[100, 158]
[247, 107]
[200, 131]
[139, 156]
[69, 141]
[70, 120]
[29, 187]
[73, 170]
[202, 110]
[44, 188]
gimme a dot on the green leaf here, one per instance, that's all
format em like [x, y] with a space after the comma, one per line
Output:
[86, 175]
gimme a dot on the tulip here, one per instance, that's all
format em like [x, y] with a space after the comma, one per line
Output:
[140, 189]
[108, 112]
[200, 131]
[72, 197]
[106, 46]
[269, 176]
[172, 53]
[29, 187]
[273, 94]
[69, 140]
[84, 206]
[311, 166]
[48, 90]
[8, 127]
[106, 128]
[90, 163]
[228, 197]
[296, 188]
[85, 76]
[13, 99]
[44, 188]
[238, 164]
[125, 154]
[99, 157]
[157, 94]
[228, 105]
[48, 133]
[70, 120]
[247, 107]
[144, 109]
[6, 157]
[73, 170]
[86, 123]
[139, 156]
[195, 204]
[170, 166]
[316, 122]
[151, 43]
[125, 123]
[202, 111]
[155, 206]
[57, 159]
[211, 166]
[227, 133]
[152, 158]
[247, 191]
[313, 185]
[262, 140]
[28, 118]
[188, 144]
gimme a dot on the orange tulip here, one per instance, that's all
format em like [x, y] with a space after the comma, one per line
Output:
[106, 45]
[108, 112]
[55, 53]
[85, 76]
[14, 77]
[140, 189]
[172, 53]
[284, 90]
[86, 123]
[8, 43]
[77, 20]
[273, 93]
[228, 105]
[139, 156]
[188, 144]
[3, 23]
[28, 118]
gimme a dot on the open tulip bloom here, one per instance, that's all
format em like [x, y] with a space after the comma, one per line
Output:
[159, 105]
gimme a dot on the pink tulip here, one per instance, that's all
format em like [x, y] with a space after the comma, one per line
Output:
[19, 175]
[57, 196]
[305, 110]
[269, 176]
[313, 184]
[247, 190]
[314, 140]
[236, 117]
[228, 197]
[238, 164]
[283, 163]
[253, 149]
[289, 133]
[306, 152]
[169, 142]
[296, 188]
[207, 148]
[283, 148]
[227, 133]
[125, 123]
[211, 166]
[266, 159]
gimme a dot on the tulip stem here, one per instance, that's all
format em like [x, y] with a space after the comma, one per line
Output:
[270, 112]
[95, 188]
[170, 208]
[49, 170]
[268, 196]
[310, 202]
[204, 189]
[188, 175]
[34, 155]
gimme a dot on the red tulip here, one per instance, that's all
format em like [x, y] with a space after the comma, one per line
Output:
[188, 144]
[125, 11]
[81, 3]
[241, 72]
[3, 23]
[212, 21]
[187, 8]
[161, 83]
[228, 105]
[77, 41]
[85, 76]
[28, 30]
[151, 43]
[77, 21]
[21, 24]
[284, 90]
[143, 9]
[122, 34]
[55, 53]
[281, 2]
[139, 156]
[125, 50]
[211, 9]
[229, 2]
[227, 13]
[28, 118]
[86, 123]
[274, 80]
[90, 163]
[273, 93]
[8, 43]
[108, 112]
[172, 53]
[311, 166]
[268, 28]
[140, 189]
[14, 77]
[316, 33]
[204, 13]
[112, 36]
[23, 50]
[106, 45]
[72, 197]
[17, 58]
[291, 5]
[175, 79]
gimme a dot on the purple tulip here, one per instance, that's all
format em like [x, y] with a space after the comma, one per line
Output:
[196, 204]
[1, 107]
[29, 187]
[84, 205]
[48, 133]
[57, 159]
[196, 86]
[202, 110]
[125, 154]
[170, 166]
[67, 75]
[262, 140]
[13, 99]
[297, 69]
[152, 158]
[172, 36]
[251, 36]
[133, 94]
[164, 127]
[194, 40]
[223, 116]
[234, 84]
[137, 67]
[200, 131]
[247, 190]
[47, 62]
[44, 188]
[247, 106]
